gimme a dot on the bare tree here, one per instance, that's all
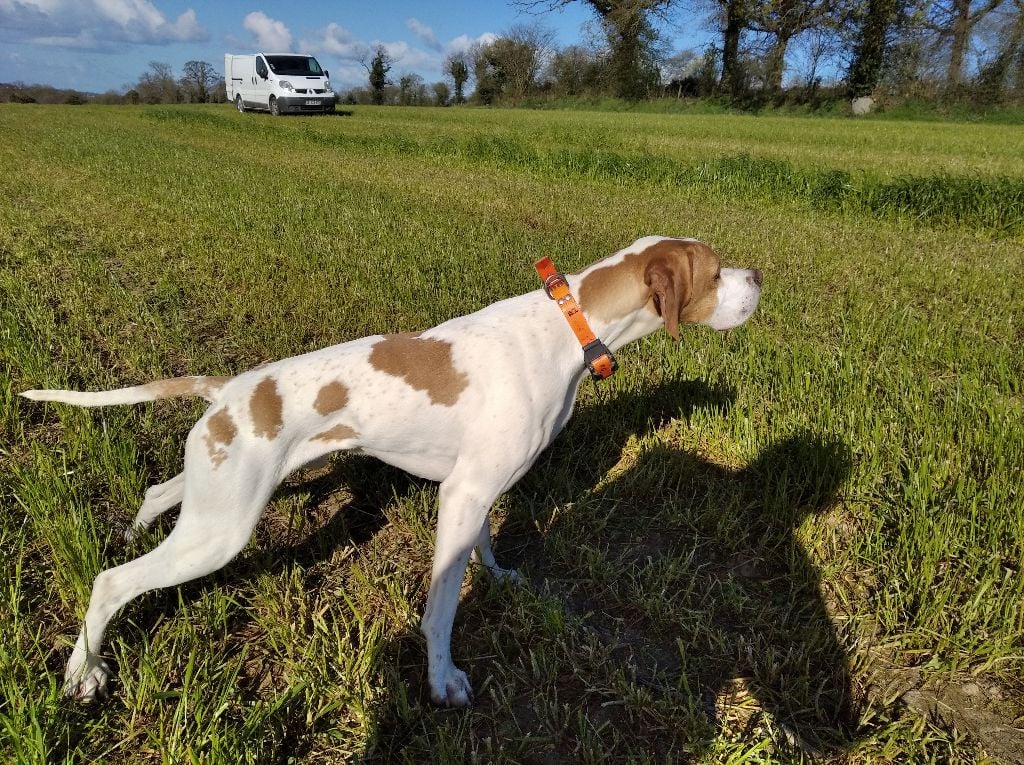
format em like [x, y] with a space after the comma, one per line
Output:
[783, 20]
[411, 90]
[530, 49]
[815, 47]
[158, 86]
[1008, 64]
[508, 66]
[631, 36]
[196, 80]
[954, 21]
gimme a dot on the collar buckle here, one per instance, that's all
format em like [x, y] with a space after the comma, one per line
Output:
[599, 360]
[555, 282]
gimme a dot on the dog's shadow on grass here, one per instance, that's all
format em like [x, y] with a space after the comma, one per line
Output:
[686, 605]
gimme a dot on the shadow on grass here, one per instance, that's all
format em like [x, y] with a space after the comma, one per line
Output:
[667, 607]
[710, 602]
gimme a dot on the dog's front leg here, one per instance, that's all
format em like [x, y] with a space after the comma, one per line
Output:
[462, 510]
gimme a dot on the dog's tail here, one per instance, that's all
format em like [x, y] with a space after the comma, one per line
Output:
[201, 387]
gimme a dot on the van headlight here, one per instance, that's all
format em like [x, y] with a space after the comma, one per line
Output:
[327, 84]
[286, 85]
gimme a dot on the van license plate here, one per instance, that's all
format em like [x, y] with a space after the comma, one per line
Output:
[313, 102]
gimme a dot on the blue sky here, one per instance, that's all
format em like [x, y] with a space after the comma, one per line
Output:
[98, 45]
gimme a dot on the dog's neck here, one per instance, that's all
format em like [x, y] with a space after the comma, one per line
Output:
[620, 311]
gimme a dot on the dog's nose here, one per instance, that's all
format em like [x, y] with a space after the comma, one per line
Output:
[755, 277]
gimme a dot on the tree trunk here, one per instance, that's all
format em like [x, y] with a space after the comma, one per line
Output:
[735, 21]
[775, 63]
[960, 31]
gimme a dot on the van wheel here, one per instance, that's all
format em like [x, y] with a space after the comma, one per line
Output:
[274, 108]
[239, 105]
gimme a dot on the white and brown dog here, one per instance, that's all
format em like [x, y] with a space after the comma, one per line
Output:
[469, 403]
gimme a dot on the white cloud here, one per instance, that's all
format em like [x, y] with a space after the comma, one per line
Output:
[271, 36]
[187, 27]
[462, 43]
[424, 33]
[338, 42]
[95, 23]
[405, 56]
[83, 39]
[335, 40]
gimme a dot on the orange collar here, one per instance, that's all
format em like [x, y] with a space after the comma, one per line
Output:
[598, 358]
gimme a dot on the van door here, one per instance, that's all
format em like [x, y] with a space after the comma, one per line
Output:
[262, 90]
[243, 72]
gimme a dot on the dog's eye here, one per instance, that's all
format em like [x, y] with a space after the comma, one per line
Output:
[718, 274]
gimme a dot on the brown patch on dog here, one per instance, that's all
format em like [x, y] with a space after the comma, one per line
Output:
[220, 432]
[704, 280]
[265, 409]
[674, 276]
[186, 386]
[669, 281]
[424, 363]
[331, 398]
[611, 292]
[337, 433]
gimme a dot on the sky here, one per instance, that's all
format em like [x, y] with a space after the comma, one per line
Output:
[100, 45]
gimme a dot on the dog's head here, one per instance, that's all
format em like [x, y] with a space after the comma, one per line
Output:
[681, 280]
[689, 286]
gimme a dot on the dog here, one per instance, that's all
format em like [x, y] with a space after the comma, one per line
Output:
[470, 403]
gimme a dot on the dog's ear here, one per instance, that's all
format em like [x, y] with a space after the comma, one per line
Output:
[669, 281]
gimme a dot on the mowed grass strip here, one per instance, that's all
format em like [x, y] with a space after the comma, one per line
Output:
[738, 541]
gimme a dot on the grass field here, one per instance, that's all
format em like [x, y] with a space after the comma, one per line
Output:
[799, 540]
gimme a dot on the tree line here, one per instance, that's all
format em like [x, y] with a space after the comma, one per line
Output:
[763, 51]
[199, 83]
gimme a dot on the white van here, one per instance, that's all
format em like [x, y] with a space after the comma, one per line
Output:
[277, 83]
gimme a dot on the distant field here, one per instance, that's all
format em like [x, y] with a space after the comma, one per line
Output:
[805, 535]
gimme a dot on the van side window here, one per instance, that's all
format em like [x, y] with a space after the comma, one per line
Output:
[261, 66]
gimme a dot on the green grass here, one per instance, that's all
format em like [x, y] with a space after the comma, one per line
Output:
[744, 548]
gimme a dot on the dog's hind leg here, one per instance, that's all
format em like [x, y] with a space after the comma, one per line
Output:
[219, 510]
[159, 498]
[484, 556]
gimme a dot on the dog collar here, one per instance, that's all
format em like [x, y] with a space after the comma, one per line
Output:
[596, 356]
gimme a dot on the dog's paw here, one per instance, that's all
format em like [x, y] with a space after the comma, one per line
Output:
[509, 575]
[451, 688]
[87, 683]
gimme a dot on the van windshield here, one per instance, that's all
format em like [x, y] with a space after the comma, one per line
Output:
[294, 65]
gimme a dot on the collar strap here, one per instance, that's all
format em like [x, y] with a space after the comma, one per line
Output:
[598, 358]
